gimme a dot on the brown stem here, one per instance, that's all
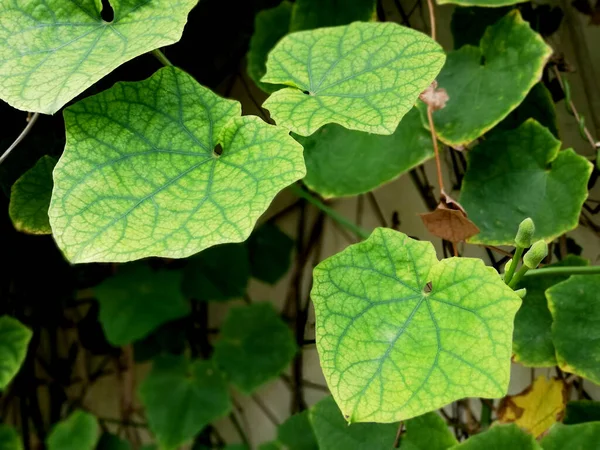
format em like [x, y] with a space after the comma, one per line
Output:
[431, 18]
[435, 147]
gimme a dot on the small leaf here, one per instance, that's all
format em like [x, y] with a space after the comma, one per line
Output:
[575, 308]
[363, 76]
[583, 436]
[521, 173]
[111, 442]
[296, 433]
[537, 408]
[582, 411]
[450, 224]
[14, 339]
[310, 14]
[140, 176]
[9, 438]
[337, 164]
[181, 397]
[138, 300]
[390, 347]
[255, 346]
[30, 198]
[79, 431]
[501, 437]
[53, 51]
[270, 25]
[532, 339]
[486, 83]
[333, 433]
[270, 252]
[427, 432]
[217, 274]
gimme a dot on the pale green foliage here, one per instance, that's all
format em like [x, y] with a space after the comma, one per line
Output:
[500, 437]
[486, 83]
[521, 173]
[427, 432]
[53, 50]
[140, 176]
[79, 431]
[30, 198]
[389, 349]
[363, 76]
[14, 339]
[138, 300]
[9, 438]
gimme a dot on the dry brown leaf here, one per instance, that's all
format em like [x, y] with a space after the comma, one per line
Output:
[537, 408]
[449, 224]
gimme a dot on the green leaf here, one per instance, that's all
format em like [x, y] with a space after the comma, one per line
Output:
[9, 438]
[310, 14]
[427, 432]
[486, 83]
[79, 431]
[333, 433]
[111, 442]
[30, 198]
[217, 274]
[484, 3]
[575, 308]
[255, 346]
[14, 339]
[532, 339]
[138, 300]
[270, 252]
[297, 433]
[141, 173]
[521, 173]
[181, 397]
[500, 437]
[584, 436]
[392, 349]
[363, 76]
[469, 23]
[337, 164]
[270, 25]
[52, 51]
[582, 411]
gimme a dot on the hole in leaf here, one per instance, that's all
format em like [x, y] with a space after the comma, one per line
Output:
[218, 150]
[306, 92]
[107, 13]
[428, 287]
[482, 60]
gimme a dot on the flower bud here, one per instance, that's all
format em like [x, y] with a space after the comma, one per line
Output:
[507, 266]
[535, 255]
[525, 233]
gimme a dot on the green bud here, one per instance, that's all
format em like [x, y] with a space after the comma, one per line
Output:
[521, 292]
[507, 266]
[535, 255]
[525, 233]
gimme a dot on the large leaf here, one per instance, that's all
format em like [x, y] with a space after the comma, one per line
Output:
[53, 50]
[333, 433]
[310, 14]
[142, 174]
[30, 198]
[521, 173]
[501, 437]
[14, 339]
[585, 436]
[138, 300]
[296, 433]
[182, 397]
[79, 431]
[532, 339]
[427, 432]
[9, 438]
[575, 308]
[392, 346]
[255, 346]
[363, 76]
[486, 83]
[270, 251]
[340, 162]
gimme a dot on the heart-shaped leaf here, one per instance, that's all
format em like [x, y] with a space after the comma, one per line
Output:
[296, 433]
[53, 50]
[270, 251]
[501, 437]
[164, 167]
[400, 333]
[337, 164]
[363, 76]
[486, 83]
[521, 173]
[79, 431]
[427, 432]
[14, 339]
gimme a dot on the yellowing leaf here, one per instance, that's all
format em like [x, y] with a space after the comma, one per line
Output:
[537, 408]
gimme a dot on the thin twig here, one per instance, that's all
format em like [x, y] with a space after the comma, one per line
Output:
[438, 163]
[24, 133]
[431, 18]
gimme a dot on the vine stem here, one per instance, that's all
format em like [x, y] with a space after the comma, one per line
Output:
[24, 133]
[358, 231]
[431, 18]
[564, 270]
[161, 57]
